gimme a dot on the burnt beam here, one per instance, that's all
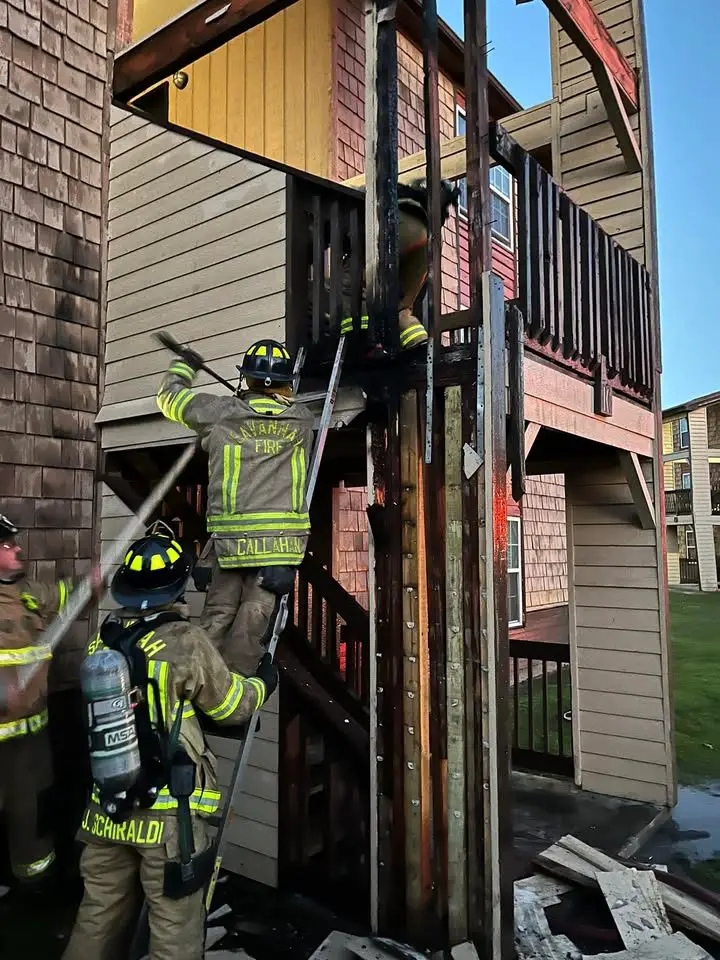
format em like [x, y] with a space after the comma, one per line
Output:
[190, 35]
[381, 171]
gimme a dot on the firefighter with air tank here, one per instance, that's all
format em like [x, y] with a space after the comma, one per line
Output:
[258, 444]
[26, 608]
[148, 680]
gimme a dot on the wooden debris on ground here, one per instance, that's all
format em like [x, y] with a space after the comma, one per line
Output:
[533, 938]
[574, 860]
[636, 905]
[643, 902]
[675, 947]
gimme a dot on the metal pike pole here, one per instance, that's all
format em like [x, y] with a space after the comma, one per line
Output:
[79, 598]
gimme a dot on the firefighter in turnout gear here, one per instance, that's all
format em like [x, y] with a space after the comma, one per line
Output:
[155, 776]
[258, 443]
[26, 779]
[413, 257]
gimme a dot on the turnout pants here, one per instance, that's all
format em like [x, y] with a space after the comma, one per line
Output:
[116, 878]
[25, 783]
[236, 617]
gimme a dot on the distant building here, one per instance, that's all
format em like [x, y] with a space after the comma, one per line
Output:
[691, 457]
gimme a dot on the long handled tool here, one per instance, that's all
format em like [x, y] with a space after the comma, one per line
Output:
[170, 343]
[80, 597]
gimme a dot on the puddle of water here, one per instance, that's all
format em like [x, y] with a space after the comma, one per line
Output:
[693, 834]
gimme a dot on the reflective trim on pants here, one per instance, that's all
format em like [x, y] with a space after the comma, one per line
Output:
[20, 728]
[28, 871]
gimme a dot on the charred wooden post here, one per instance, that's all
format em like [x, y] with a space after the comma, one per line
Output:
[432, 303]
[457, 851]
[415, 705]
[381, 174]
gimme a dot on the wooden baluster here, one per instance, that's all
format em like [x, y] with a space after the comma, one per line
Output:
[525, 279]
[337, 233]
[531, 719]
[567, 218]
[560, 711]
[537, 262]
[607, 342]
[622, 344]
[600, 317]
[356, 268]
[554, 264]
[318, 267]
[587, 313]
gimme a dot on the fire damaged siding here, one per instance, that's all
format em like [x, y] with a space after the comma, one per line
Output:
[53, 74]
[253, 847]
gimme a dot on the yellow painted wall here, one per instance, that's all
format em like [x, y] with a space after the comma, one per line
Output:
[268, 90]
[667, 436]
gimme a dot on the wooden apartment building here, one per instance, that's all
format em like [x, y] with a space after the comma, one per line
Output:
[231, 184]
[227, 213]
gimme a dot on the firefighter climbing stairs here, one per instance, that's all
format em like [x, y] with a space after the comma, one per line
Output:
[232, 795]
[233, 791]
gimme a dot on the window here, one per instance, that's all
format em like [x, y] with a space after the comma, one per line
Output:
[462, 184]
[514, 570]
[684, 434]
[501, 193]
[685, 481]
[501, 204]
[690, 546]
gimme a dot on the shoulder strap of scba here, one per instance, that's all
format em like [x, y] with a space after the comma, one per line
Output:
[153, 739]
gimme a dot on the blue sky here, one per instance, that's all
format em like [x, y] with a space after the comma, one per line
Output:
[685, 89]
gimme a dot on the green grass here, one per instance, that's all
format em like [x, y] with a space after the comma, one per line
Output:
[695, 633]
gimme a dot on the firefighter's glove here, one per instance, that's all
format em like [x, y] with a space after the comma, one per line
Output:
[191, 357]
[268, 673]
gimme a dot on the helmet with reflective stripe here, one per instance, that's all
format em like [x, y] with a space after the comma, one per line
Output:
[8, 530]
[154, 572]
[267, 361]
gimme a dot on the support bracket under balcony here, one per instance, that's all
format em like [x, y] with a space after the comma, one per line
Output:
[632, 469]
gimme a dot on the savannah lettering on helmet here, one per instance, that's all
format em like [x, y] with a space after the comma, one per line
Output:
[141, 831]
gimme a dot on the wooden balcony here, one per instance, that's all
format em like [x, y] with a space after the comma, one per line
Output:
[584, 299]
[678, 503]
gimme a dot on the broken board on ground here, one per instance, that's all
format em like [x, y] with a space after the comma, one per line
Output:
[638, 900]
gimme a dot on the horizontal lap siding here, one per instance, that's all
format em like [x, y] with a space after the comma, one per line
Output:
[701, 498]
[196, 247]
[253, 838]
[588, 162]
[617, 653]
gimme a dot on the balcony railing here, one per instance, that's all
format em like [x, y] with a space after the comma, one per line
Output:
[583, 297]
[689, 571]
[678, 502]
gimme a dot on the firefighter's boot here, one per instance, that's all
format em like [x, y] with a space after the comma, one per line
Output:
[412, 333]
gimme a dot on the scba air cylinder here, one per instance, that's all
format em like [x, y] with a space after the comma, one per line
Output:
[112, 733]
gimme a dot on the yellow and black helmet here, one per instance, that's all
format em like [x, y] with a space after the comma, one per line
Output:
[267, 361]
[154, 572]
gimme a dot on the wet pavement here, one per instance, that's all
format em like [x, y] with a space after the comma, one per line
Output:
[689, 843]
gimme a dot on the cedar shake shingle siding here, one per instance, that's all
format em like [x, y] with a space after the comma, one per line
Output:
[53, 71]
[544, 527]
